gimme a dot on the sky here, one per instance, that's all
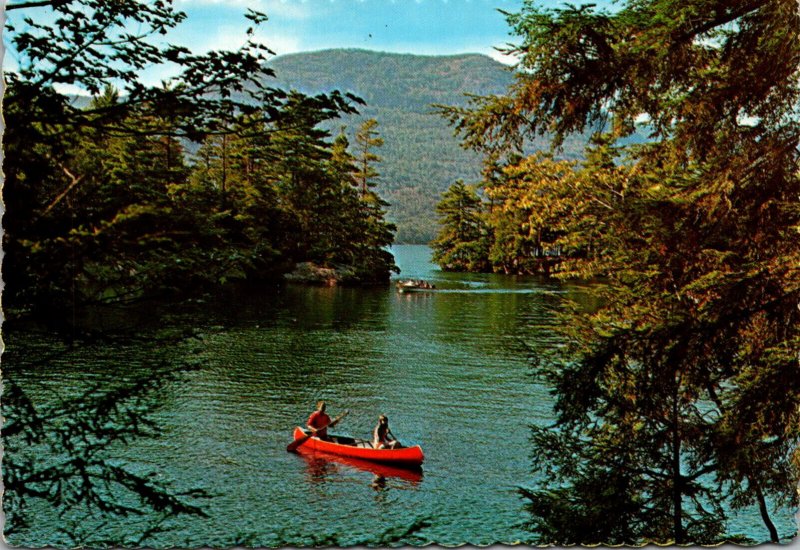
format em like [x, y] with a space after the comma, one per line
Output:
[426, 27]
[404, 26]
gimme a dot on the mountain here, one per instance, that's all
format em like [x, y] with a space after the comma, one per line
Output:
[421, 157]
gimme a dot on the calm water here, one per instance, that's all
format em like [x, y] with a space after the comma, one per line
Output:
[449, 369]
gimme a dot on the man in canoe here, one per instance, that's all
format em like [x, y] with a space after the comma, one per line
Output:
[382, 436]
[319, 422]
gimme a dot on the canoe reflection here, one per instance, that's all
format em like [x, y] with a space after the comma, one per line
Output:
[322, 465]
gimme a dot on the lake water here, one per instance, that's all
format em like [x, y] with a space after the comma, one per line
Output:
[449, 368]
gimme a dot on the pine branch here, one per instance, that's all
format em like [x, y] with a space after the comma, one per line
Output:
[41, 3]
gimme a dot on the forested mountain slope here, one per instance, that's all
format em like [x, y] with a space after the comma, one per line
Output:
[421, 157]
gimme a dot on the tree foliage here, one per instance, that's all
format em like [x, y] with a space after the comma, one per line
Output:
[677, 400]
[107, 204]
[378, 234]
[516, 227]
[61, 459]
[462, 243]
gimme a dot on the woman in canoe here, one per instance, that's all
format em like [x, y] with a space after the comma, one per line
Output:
[382, 436]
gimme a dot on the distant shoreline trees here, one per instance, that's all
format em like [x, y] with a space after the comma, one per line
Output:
[516, 228]
[463, 244]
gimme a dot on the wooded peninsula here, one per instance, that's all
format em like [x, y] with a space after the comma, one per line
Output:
[105, 203]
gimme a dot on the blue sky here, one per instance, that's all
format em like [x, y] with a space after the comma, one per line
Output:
[407, 26]
[427, 27]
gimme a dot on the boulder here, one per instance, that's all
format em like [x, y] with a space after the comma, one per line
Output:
[312, 274]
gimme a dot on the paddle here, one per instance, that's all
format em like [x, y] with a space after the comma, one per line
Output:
[397, 444]
[297, 442]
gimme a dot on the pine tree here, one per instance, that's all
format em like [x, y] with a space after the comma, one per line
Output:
[462, 244]
[94, 209]
[367, 140]
[685, 382]
[375, 260]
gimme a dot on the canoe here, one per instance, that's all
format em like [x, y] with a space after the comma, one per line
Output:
[361, 449]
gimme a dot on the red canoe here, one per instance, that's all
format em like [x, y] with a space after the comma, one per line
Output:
[408, 457]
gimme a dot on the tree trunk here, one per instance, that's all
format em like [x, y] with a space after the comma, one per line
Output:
[762, 507]
[677, 479]
[224, 178]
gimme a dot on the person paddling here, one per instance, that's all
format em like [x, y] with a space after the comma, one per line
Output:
[319, 422]
[382, 436]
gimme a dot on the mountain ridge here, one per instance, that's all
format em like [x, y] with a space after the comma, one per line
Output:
[421, 157]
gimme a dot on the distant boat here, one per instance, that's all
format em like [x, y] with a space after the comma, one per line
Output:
[407, 457]
[414, 286]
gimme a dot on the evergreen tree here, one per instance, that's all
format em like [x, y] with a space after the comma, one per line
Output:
[379, 234]
[363, 211]
[300, 156]
[341, 167]
[367, 140]
[290, 196]
[525, 220]
[234, 186]
[94, 208]
[462, 244]
[679, 395]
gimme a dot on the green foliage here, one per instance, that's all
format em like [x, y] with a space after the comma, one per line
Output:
[58, 459]
[463, 243]
[678, 397]
[527, 204]
[104, 205]
[367, 140]
[519, 226]
[377, 234]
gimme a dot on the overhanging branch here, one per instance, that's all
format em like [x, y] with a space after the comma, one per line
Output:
[39, 4]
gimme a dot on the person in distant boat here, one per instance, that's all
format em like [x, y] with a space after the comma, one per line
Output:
[382, 436]
[319, 421]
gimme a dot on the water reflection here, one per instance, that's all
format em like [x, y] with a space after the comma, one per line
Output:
[378, 483]
[318, 470]
[322, 466]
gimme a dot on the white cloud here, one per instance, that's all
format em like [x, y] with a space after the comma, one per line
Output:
[70, 89]
[227, 37]
[280, 44]
[231, 37]
[154, 76]
[503, 58]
